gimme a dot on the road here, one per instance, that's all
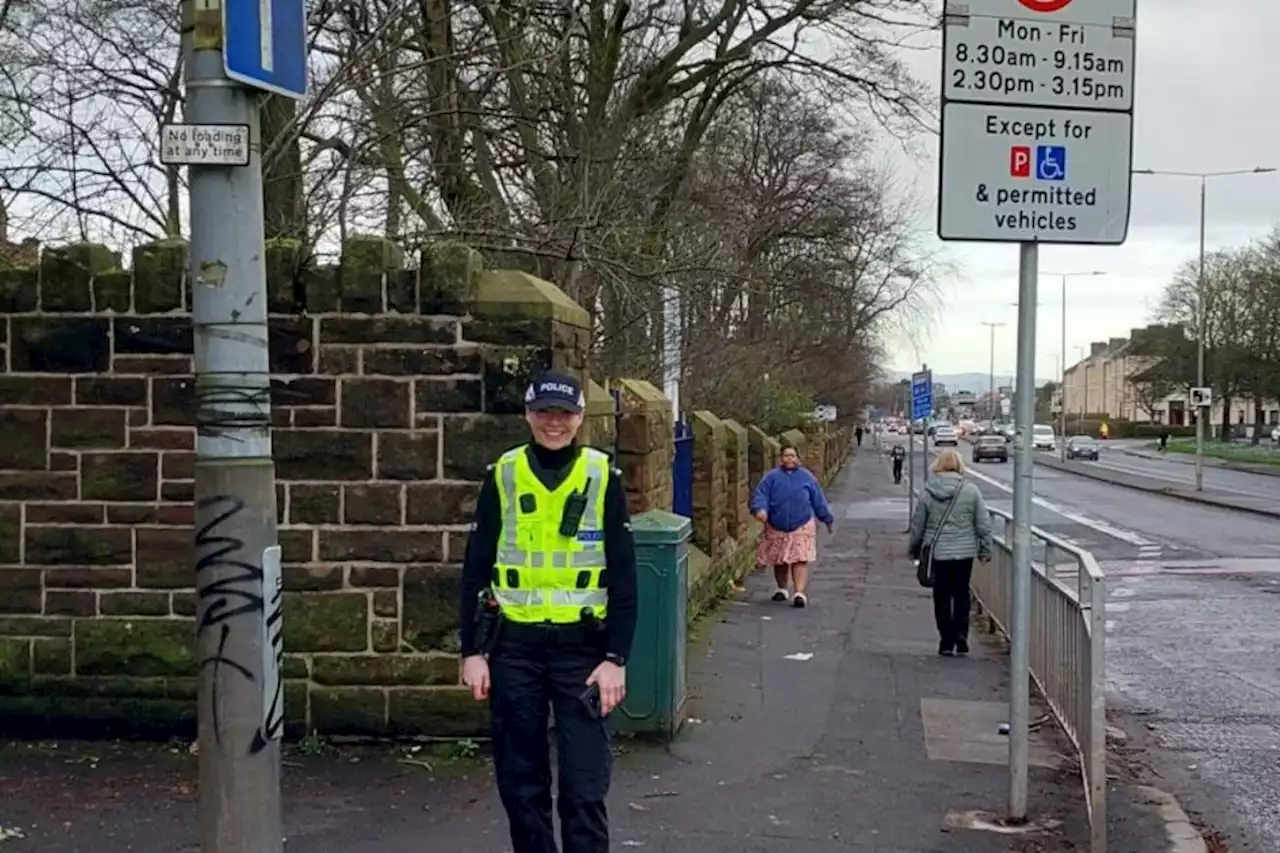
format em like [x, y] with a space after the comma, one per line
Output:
[1179, 469]
[1193, 622]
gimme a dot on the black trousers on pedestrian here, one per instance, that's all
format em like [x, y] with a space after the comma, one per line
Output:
[536, 671]
[951, 599]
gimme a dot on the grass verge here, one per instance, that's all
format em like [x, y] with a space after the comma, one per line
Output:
[1252, 455]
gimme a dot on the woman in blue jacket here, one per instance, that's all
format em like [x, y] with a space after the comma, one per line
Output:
[786, 502]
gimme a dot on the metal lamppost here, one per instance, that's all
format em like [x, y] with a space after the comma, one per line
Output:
[1015, 305]
[1062, 378]
[1201, 309]
[991, 375]
[1084, 382]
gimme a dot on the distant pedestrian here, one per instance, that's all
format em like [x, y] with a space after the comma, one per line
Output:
[1164, 440]
[857, 435]
[949, 529]
[786, 502]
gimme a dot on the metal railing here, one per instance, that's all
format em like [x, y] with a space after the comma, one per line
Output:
[1067, 645]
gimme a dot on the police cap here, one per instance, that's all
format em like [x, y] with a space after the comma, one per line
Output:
[555, 391]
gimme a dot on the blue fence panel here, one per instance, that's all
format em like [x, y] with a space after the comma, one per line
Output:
[682, 471]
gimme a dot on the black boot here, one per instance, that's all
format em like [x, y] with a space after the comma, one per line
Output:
[946, 648]
[962, 646]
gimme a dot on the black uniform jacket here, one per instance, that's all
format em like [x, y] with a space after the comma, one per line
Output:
[551, 467]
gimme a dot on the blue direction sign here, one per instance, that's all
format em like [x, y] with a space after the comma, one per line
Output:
[265, 44]
[921, 394]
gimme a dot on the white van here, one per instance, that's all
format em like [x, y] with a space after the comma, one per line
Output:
[1042, 437]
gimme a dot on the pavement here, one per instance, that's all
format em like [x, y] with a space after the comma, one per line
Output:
[833, 729]
[1191, 631]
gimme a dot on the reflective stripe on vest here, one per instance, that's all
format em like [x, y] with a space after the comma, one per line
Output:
[539, 575]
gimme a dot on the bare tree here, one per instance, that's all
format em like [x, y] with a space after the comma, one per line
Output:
[625, 150]
[1150, 392]
[93, 80]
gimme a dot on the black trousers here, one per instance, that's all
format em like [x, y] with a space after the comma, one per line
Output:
[951, 599]
[536, 671]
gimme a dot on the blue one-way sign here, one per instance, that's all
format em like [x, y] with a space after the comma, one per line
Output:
[921, 394]
[265, 44]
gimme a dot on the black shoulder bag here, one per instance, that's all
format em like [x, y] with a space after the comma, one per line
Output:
[924, 568]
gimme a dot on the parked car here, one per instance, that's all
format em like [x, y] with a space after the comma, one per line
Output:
[1042, 437]
[990, 447]
[945, 434]
[1275, 434]
[1082, 447]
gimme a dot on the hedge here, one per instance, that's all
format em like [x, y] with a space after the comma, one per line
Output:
[1126, 429]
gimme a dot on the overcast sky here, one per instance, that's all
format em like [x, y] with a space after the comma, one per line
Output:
[1201, 104]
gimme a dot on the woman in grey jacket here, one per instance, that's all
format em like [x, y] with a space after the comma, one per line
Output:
[954, 539]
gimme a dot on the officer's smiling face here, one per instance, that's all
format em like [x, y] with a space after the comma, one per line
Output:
[554, 428]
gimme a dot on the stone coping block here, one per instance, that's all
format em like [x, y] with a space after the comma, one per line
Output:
[514, 294]
[795, 438]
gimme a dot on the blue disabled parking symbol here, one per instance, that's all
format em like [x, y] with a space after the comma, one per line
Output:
[1051, 162]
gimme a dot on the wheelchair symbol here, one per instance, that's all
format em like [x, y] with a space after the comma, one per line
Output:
[1051, 162]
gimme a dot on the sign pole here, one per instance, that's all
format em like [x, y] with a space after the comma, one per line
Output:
[921, 407]
[1023, 472]
[1036, 148]
[237, 570]
[1201, 318]
[911, 466]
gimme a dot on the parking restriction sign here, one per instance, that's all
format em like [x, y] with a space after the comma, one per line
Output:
[1045, 5]
[1037, 121]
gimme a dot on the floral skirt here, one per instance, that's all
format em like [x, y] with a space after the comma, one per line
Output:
[799, 546]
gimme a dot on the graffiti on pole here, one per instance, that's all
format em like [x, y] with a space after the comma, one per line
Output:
[238, 591]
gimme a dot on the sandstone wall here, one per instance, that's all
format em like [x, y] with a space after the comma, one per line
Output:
[393, 388]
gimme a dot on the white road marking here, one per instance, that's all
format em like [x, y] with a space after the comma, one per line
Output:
[1176, 480]
[1103, 527]
[1117, 606]
[1120, 533]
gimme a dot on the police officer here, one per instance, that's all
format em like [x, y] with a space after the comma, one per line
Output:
[550, 565]
[897, 456]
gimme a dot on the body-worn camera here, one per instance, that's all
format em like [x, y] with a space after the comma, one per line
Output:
[575, 506]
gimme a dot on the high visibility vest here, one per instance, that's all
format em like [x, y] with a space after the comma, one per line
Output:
[540, 575]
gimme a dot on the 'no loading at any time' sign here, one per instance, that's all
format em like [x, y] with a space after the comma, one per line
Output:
[1037, 121]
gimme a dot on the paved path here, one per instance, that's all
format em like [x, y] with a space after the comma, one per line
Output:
[1194, 596]
[835, 729]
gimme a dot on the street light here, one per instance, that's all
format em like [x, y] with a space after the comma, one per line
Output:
[991, 375]
[1201, 313]
[1062, 378]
